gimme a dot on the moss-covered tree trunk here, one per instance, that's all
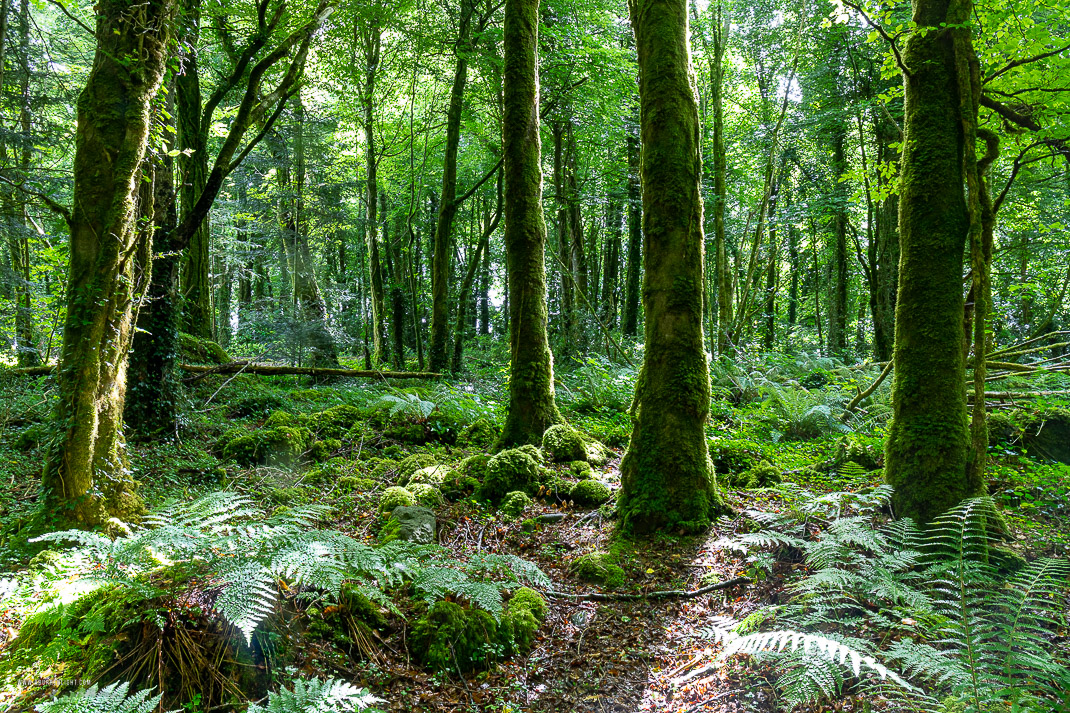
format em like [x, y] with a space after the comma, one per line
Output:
[884, 251]
[838, 266]
[630, 313]
[929, 440]
[611, 260]
[86, 477]
[532, 408]
[371, 39]
[562, 231]
[667, 478]
[722, 276]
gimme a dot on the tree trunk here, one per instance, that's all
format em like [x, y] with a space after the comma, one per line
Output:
[193, 171]
[722, 275]
[885, 259]
[86, 476]
[484, 294]
[929, 440]
[447, 208]
[532, 408]
[611, 261]
[481, 249]
[563, 232]
[630, 316]
[667, 478]
[372, 40]
[838, 303]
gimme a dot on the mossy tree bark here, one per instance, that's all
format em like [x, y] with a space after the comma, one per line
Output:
[928, 449]
[563, 232]
[667, 478]
[838, 266]
[884, 250]
[630, 313]
[371, 41]
[86, 477]
[532, 408]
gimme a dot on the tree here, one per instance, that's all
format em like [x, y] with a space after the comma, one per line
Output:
[532, 408]
[667, 478]
[928, 449]
[85, 470]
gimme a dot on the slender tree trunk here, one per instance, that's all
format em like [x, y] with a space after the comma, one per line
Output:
[838, 303]
[630, 316]
[397, 287]
[885, 258]
[563, 232]
[372, 41]
[86, 476]
[532, 408]
[447, 210]
[667, 478]
[481, 249]
[611, 262]
[484, 294]
[929, 440]
[722, 275]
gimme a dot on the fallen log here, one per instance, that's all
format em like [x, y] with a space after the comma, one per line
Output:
[669, 594]
[244, 367]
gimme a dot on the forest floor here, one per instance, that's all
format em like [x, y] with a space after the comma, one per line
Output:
[591, 654]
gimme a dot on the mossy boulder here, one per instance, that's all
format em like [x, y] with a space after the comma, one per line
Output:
[478, 435]
[394, 497]
[196, 350]
[598, 567]
[355, 484]
[515, 503]
[432, 474]
[328, 472]
[322, 450]
[1046, 434]
[527, 598]
[1002, 429]
[508, 471]
[458, 486]
[451, 638]
[288, 496]
[590, 493]
[335, 422]
[412, 464]
[410, 524]
[562, 444]
[426, 494]
[282, 445]
[580, 469]
[476, 466]
[281, 418]
[734, 456]
[533, 451]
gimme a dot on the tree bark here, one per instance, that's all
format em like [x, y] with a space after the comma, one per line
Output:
[929, 440]
[86, 477]
[532, 408]
[372, 40]
[667, 478]
[611, 260]
[838, 302]
[630, 315]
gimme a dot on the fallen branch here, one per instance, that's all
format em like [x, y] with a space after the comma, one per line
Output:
[245, 367]
[668, 594]
[869, 390]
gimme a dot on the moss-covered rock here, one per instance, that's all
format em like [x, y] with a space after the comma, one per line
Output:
[1046, 434]
[481, 434]
[413, 463]
[432, 474]
[335, 422]
[426, 494]
[515, 503]
[281, 418]
[508, 471]
[562, 443]
[598, 567]
[288, 496]
[395, 497]
[590, 493]
[763, 475]
[355, 484]
[527, 598]
[281, 445]
[458, 486]
[322, 450]
[734, 456]
[195, 350]
[580, 469]
[533, 451]
[474, 467]
[451, 638]
[1002, 429]
[328, 471]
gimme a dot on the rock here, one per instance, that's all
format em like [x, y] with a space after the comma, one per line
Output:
[1047, 435]
[415, 524]
[552, 517]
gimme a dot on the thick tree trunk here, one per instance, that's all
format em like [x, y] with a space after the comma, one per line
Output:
[86, 476]
[929, 440]
[532, 408]
[630, 315]
[447, 209]
[667, 478]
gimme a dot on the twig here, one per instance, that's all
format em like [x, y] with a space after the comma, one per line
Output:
[668, 594]
[869, 390]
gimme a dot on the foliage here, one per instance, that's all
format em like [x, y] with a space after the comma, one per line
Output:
[110, 699]
[315, 696]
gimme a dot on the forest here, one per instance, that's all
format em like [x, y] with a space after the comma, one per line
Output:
[696, 356]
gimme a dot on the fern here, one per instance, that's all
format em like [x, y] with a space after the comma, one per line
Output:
[315, 696]
[405, 403]
[110, 699]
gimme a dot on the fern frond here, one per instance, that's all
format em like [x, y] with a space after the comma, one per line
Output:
[315, 696]
[110, 699]
[248, 597]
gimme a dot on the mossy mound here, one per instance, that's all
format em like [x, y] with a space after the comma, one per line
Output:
[853, 449]
[395, 497]
[348, 624]
[426, 494]
[354, 484]
[478, 435]
[533, 451]
[590, 493]
[258, 404]
[195, 350]
[432, 474]
[322, 450]
[527, 598]
[732, 456]
[329, 471]
[515, 503]
[335, 422]
[454, 639]
[508, 471]
[580, 469]
[412, 464]
[458, 486]
[1046, 434]
[281, 418]
[762, 475]
[524, 614]
[562, 444]
[282, 445]
[598, 567]
[474, 466]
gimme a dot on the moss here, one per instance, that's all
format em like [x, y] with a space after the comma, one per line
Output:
[515, 503]
[508, 471]
[433, 474]
[732, 456]
[288, 496]
[855, 449]
[196, 350]
[527, 598]
[395, 497]
[529, 525]
[458, 487]
[590, 493]
[322, 450]
[451, 638]
[562, 443]
[412, 464]
[281, 418]
[480, 434]
[1002, 429]
[406, 432]
[533, 451]
[598, 567]
[580, 469]
[334, 422]
[763, 475]
[31, 437]
[257, 404]
[521, 625]
[353, 484]
[426, 494]
[475, 466]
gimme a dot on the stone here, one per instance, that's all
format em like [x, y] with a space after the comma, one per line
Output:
[415, 524]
